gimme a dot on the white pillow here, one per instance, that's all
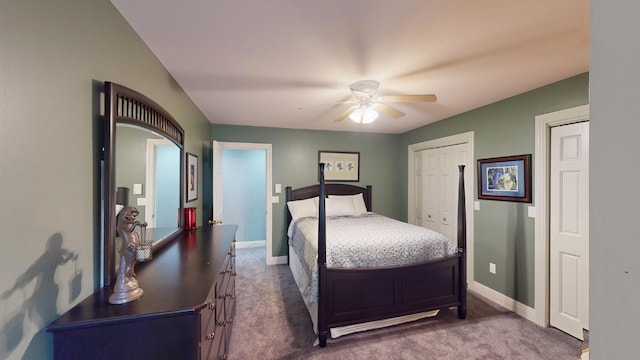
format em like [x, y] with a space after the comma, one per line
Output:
[303, 208]
[118, 208]
[339, 207]
[358, 202]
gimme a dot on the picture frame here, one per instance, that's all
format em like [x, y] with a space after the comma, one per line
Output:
[340, 165]
[192, 177]
[505, 178]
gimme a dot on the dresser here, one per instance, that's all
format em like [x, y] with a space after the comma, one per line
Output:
[186, 311]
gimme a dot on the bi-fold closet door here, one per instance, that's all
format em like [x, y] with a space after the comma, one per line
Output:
[437, 185]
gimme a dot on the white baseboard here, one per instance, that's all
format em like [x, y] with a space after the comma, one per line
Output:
[277, 260]
[503, 300]
[250, 244]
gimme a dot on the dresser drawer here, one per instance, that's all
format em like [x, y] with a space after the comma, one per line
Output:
[214, 345]
[207, 318]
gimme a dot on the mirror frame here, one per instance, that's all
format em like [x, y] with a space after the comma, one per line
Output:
[126, 106]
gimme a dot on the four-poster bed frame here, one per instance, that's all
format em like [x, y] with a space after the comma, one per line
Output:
[390, 291]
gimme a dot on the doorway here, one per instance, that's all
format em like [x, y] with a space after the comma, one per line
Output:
[241, 191]
[161, 179]
[542, 189]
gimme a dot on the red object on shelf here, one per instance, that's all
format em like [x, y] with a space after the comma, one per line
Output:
[190, 218]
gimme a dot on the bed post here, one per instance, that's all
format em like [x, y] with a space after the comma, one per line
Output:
[462, 244]
[322, 262]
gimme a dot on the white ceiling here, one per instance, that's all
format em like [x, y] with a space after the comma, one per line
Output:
[288, 63]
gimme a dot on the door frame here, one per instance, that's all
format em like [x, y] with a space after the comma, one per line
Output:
[457, 139]
[150, 178]
[543, 126]
[221, 145]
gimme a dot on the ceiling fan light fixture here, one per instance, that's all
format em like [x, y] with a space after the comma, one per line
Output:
[364, 115]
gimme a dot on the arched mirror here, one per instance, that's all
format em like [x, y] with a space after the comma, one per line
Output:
[143, 168]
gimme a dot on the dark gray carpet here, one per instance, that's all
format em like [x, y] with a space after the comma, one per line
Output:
[272, 323]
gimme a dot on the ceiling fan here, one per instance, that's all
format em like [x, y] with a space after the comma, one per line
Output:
[368, 103]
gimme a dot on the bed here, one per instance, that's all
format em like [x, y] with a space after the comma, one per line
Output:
[358, 293]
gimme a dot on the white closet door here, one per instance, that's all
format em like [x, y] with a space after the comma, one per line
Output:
[569, 229]
[439, 188]
[430, 189]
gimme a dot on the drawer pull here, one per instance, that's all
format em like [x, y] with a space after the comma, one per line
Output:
[225, 322]
[210, 336]
[222, 357]
[212, 305]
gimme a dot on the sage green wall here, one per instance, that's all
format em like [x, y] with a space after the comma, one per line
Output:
[54, 56]
[503, 233]
[295, 159]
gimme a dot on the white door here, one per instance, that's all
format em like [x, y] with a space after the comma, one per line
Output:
[218, 181]
[430, 194]
[439, 192]
[160, 204]
[569, 229]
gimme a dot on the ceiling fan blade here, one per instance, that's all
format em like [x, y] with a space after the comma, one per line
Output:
[388, 110]
[345, 114]
[410, 98]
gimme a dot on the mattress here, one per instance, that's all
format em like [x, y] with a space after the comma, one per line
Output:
[366, 241]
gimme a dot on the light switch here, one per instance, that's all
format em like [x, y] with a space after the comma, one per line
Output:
[142, 201]
[275, 199]
[532, 211]
[278, 189]
[476, 205]
[137, 189]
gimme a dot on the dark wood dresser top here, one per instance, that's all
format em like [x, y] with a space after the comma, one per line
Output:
[176, 280]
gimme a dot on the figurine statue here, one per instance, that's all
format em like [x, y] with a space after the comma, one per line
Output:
[126, 288]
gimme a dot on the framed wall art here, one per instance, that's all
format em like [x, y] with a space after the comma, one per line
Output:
[192, 177]
[505, 178]
[340, 165]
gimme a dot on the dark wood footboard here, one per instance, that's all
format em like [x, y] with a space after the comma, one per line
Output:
[357, 295]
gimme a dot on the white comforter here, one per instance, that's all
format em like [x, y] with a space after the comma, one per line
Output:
[366, 241]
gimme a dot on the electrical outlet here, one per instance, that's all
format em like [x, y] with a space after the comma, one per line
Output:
[492, 268]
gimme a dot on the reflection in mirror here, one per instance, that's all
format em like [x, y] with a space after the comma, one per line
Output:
[143, 156]
[148, 178]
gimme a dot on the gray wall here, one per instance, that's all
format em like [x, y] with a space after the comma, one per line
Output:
[295, 159]
[503, 233]
[614, 270]
[54, 56]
